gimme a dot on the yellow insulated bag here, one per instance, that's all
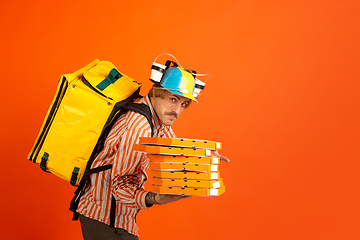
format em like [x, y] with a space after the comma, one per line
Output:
[86, 104]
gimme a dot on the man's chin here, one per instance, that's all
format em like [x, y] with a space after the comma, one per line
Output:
[169, 122]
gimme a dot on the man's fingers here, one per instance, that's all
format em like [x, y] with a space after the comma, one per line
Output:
[222, 158]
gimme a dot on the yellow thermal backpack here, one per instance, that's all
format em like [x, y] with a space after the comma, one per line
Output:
[86, 104]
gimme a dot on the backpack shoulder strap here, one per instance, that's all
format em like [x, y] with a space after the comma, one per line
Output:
[143, 109]
[140, 108]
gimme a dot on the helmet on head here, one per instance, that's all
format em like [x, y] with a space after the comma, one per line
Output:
[176, 79]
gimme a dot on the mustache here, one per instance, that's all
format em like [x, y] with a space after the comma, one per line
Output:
[170, 113]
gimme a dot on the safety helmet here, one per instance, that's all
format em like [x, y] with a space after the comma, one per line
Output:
[176, 79]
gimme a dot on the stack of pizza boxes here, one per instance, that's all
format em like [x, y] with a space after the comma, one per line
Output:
[183, 166]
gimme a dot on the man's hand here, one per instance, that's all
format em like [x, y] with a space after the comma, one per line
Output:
[222, 158]
[167, 198]
[157, 198]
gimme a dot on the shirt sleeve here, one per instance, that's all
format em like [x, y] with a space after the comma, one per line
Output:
[127, 175]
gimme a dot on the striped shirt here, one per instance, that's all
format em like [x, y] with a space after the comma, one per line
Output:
[128, 175]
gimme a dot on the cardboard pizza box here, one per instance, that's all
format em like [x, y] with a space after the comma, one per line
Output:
[183, 159]
[172, 150]
[188, 191]
[186, 175]
[187, 183]
[184, 166]
[180, 142]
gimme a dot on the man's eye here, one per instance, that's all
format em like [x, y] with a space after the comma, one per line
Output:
[173, 99]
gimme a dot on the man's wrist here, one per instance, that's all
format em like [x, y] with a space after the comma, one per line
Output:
[150, 199]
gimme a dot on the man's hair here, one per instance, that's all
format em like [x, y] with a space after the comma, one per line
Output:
[159, 92]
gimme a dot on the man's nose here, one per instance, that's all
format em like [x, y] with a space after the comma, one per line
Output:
[176, 108]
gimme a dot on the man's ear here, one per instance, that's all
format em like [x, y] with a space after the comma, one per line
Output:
[153, 101]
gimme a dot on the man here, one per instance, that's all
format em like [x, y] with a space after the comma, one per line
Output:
[125, 181]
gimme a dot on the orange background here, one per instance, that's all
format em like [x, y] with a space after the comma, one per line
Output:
[283, 100]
